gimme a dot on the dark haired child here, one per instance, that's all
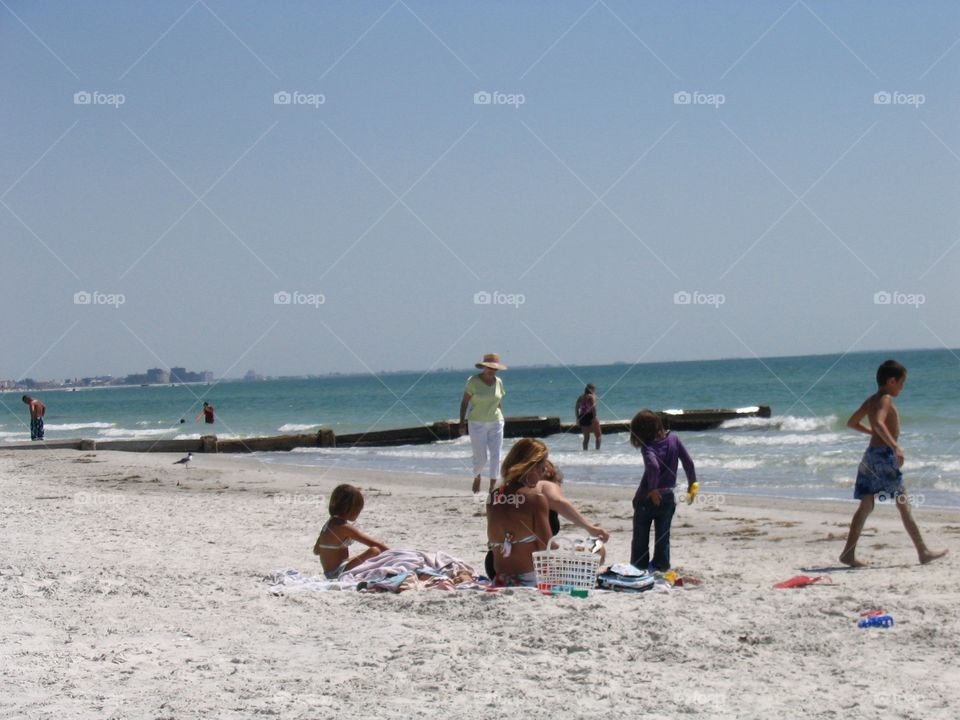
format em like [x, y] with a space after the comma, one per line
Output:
[339, 532]
[654, 502]
[879, 470]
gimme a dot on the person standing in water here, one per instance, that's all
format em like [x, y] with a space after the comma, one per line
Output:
[207, 413]
[37, 411]
[483, 395]
[587, 416]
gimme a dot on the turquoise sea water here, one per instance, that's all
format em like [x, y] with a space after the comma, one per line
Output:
[805, 450]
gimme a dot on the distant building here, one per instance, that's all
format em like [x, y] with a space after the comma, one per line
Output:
[182, 375]
[158, 376]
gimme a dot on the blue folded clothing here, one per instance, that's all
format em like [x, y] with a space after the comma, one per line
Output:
[611, 580]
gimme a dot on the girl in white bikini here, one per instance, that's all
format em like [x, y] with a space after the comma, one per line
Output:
[339, 533]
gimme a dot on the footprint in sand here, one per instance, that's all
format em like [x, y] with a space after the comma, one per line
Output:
[842, 536]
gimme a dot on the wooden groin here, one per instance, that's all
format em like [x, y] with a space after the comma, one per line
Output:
[514, 427]
[684, 421]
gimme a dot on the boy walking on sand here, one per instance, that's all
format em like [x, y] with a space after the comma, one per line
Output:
[879, 471]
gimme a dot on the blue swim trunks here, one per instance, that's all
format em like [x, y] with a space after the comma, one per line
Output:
[878, 474]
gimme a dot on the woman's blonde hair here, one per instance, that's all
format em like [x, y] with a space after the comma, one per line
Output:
[525, 454]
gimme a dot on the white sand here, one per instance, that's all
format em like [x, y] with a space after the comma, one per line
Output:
[128, 595]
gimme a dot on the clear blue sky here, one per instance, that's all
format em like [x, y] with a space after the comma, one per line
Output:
[398, 198]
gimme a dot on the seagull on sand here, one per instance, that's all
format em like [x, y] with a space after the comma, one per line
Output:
[185, 461]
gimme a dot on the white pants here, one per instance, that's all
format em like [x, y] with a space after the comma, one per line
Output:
[486, 438]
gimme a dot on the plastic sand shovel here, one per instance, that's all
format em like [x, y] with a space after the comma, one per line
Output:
[799, 581]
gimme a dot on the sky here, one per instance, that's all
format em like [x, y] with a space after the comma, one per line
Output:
[312, 187]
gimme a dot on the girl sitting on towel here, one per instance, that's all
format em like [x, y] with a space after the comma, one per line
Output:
[339, 532]
[518, 515]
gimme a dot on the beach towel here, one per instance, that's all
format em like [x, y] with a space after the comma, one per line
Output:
[286, 582]
[392, 571]
[394, 562]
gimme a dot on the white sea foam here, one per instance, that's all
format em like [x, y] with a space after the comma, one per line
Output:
[77, 426]
[295, 427]
[830, 459]
[786, 423]
[130, 434]
[773, 440]
[741, 464]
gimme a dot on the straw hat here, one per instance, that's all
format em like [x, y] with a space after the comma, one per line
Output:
[492, 361]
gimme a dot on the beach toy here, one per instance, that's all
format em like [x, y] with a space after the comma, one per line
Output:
[799, 581]
[694, 489]
[884, 621]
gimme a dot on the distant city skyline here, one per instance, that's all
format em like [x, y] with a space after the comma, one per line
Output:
[254, 375]
[393, 186]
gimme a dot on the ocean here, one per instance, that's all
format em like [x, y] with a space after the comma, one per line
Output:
[804, 450]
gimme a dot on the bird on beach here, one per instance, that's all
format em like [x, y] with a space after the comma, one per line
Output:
[185, 461]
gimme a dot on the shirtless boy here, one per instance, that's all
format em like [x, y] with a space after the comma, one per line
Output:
[879, 471]
[37, 411]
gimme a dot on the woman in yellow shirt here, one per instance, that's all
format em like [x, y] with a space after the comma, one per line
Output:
[483, 395]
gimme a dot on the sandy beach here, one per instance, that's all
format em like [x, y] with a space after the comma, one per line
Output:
[133, 588]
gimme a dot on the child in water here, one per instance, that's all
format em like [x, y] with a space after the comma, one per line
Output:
[339, 532]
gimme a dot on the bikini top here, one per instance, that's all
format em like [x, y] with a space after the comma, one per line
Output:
[508, 542]
[346, 543]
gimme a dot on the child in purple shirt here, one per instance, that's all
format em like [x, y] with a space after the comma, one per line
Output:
[654, 502]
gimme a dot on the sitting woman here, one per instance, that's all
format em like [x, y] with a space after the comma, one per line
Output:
[551, 488]
[339, 532]
[517, 515]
